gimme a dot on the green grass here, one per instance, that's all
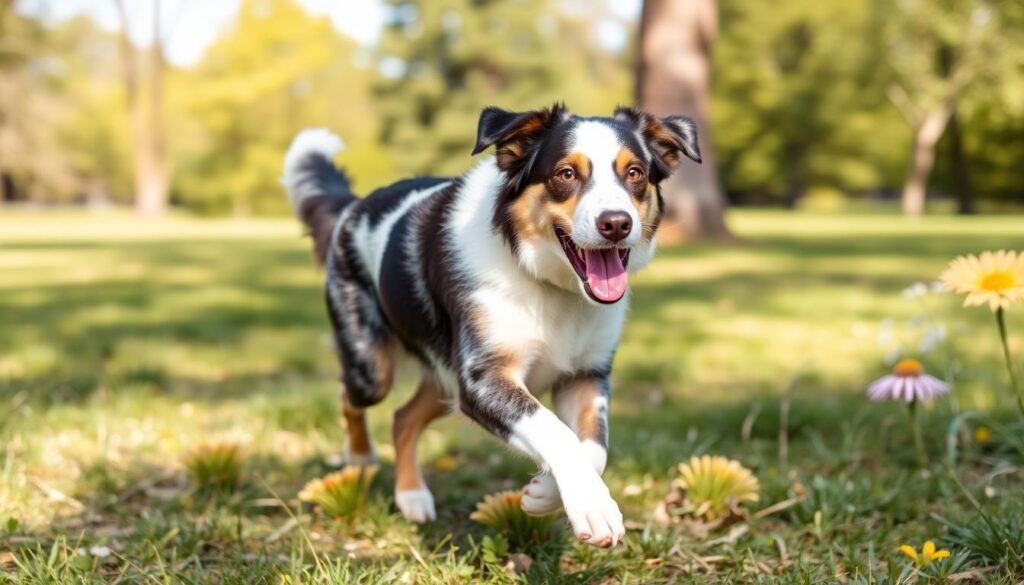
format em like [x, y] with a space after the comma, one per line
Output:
[124, 345]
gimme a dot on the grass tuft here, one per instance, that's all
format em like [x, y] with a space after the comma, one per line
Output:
[216, 467]
[342, 494]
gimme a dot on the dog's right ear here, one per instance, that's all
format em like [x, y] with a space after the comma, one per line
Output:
[514, 133]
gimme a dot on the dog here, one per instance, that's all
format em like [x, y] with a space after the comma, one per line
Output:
[504, 283]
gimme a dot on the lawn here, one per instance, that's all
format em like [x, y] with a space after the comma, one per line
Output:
[127, 344]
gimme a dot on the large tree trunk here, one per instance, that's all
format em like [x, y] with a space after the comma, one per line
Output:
[674, 77]
[959, 170]
[922, 159]
[152, 195]
[149, 171]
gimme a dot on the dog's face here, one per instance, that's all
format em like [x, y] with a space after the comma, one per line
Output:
[581, 200]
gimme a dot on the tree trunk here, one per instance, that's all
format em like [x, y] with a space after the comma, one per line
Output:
[794, 176]
[674, 77]
[152, 194]
[149, 173]
[922, 159]
[959, 169]
[7, 192]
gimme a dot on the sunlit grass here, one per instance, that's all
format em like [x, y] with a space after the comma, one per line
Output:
[124, 344]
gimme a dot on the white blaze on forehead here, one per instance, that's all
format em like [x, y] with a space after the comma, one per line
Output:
[601, 144]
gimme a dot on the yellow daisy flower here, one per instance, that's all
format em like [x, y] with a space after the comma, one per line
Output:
[340, 494]
[928, 553]
[995, 278]
[503, 512]
[711, 482]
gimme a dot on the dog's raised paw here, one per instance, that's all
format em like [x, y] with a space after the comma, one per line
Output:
[416, 505]
[540, 496]
[595, 518]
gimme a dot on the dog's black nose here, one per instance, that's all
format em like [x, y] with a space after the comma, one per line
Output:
[614, 225]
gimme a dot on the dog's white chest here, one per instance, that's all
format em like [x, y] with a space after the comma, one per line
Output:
[554, 333]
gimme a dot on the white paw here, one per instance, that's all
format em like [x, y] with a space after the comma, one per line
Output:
[594, 515]
[359, 459]
[416, 505]
[540, 496]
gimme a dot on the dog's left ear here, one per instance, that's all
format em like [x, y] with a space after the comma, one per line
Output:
[515, 134]
[668, 138]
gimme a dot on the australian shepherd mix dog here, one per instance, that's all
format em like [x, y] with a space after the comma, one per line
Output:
[504, 283]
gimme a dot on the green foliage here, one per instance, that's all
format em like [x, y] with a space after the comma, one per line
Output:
[276, 71]
[799, 105]
[445, 60]
[993, 537]
[800, 111]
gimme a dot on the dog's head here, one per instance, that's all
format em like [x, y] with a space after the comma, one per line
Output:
[581, 202]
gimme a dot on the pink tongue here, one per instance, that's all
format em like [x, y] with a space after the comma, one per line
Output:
[606, 275]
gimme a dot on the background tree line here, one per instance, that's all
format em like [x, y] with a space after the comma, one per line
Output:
[802, 104]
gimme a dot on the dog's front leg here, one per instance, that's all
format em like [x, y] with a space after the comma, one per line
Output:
[581, 402]
[500, 403]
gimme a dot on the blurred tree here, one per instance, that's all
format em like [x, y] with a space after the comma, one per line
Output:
[144, 91]
[674, 77]
[32, 162]
[94, 133]
[443, 61]
[276, 71]
[937, 48]
[798, 107]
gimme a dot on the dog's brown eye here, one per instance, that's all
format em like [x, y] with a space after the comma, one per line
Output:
[567, 175]
[634, 173]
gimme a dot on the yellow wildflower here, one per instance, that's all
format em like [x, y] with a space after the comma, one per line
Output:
[996, 278]
[342, 493]
[982, 435]
[446, 463]
[712, 482]
[928, 553]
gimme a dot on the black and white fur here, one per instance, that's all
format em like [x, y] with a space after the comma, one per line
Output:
[468, 277]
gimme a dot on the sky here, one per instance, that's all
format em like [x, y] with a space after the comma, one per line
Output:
[192, 25]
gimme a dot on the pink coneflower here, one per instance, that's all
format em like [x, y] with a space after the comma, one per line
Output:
[907, 382]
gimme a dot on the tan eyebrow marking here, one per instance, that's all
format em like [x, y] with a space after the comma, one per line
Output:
[623, 160]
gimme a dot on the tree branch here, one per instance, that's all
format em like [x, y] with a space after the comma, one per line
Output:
[901, 99]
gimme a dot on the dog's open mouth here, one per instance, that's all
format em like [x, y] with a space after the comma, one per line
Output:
[602, 270]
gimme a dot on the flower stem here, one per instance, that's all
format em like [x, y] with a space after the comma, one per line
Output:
[915, 426]
[1001, 320]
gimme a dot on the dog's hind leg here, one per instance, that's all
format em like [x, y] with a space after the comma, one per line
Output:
[366, 350]
[411, 493]
[358, 445]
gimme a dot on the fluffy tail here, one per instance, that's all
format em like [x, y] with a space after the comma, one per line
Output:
[317, 189]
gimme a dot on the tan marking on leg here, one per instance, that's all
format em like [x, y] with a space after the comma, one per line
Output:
[576, 405]
[410, 420]
[355, 425]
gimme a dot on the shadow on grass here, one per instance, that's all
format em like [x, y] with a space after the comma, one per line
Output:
[146, 309]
